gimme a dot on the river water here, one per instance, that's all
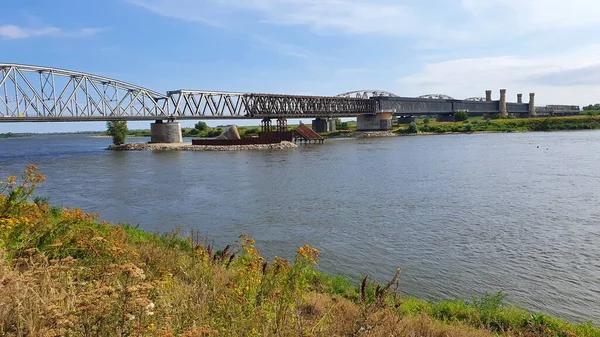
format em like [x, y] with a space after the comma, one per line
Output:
[460, 214]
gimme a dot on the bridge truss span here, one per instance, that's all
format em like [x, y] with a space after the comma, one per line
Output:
[31, 93]
[223, 105]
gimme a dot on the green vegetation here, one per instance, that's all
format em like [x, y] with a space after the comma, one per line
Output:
[65, 273]
[461, 116]
[508, 125]
[412, 128]
[591, 107]
[201, 126]
[200, 131]
[118, 131]
[339, 125]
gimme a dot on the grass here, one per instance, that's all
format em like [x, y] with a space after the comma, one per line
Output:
[65, 273]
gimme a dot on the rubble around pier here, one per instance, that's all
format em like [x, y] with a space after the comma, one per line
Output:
[190, 147]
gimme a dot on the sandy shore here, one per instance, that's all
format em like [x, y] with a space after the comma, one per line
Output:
[190, 147]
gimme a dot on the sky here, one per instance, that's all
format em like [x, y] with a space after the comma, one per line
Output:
[323, 47]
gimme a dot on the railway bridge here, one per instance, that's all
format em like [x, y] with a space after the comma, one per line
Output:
[45, 94]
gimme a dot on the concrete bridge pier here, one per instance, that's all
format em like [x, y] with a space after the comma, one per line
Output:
[323, 124]
[381, 121]
[532, 112]
[406, 119]
[444, 118]
[165, 132]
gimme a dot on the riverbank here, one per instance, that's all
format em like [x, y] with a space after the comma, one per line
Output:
[190, 147]
[504, 125]
[64, 272]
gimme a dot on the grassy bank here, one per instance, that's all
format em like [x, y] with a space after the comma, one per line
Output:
[64, 273]
[506, 125]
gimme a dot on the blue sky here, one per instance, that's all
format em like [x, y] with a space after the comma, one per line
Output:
[325, 47]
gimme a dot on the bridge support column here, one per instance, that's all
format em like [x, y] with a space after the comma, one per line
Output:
[378, 122]
[319, 125]
[444, 118]
[282, 124]
[405, 119]
[266, 125]
[520, 98]
[331, 124]
[532, 105]
[169, 132]
[503, 110]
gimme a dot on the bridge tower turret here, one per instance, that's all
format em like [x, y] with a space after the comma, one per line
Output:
[503, 110]
[532, 105]
[488, 95]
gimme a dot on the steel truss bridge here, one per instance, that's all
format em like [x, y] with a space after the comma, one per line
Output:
[41, 94]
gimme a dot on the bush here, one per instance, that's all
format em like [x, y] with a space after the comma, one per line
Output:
[214, 132]
[426, 120]
[118, 131]
[200, 126]
[461, 115]
[469, 128]
[413, 128]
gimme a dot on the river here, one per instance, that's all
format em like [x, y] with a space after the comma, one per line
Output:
[460, 214]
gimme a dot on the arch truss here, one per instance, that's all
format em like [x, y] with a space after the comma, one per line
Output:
[41, 93]
[366, 94]
[436, 96]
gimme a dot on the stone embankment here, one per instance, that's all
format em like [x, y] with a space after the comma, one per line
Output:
[190, 147]
[373, 134]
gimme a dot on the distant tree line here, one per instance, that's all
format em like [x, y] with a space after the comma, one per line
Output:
[592, 107]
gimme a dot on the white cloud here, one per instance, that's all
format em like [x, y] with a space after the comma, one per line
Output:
[567, 78]
[436, 21]
[539, 14]
[13, 32]
[354, 17]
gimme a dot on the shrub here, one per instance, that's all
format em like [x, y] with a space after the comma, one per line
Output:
[413, 128]
[214, 132]
[461, 115]
[252, 131]
[426, 120]
[469, 128]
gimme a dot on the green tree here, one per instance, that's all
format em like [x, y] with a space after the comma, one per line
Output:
[118, 131]
[461, 115]
[592, 107]
[200, 126]
[413, 128]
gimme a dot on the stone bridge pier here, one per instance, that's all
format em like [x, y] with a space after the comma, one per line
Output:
[381, 121]
[323, 124]
[165, 132]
